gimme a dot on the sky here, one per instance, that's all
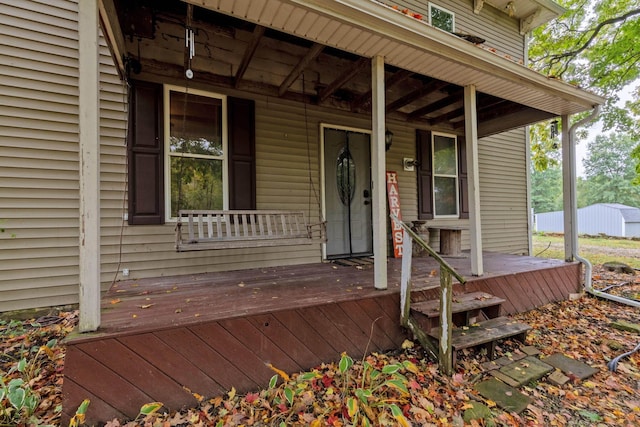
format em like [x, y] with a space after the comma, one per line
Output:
[596, 129]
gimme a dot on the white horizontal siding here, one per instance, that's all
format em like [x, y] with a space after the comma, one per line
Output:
[500, 32]
[38, 153]
[503, 192]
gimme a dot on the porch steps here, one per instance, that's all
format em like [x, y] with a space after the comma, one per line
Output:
[486, 333]
[476, 320]
[470, 305]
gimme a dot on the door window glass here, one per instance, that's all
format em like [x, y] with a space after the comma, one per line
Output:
[346, 176]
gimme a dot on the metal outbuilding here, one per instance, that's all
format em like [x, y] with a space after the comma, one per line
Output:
[611, 219]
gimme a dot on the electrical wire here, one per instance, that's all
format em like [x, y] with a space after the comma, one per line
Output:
[613, 363]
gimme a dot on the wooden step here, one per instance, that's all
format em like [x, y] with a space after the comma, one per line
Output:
[462, 303]
[487, 332]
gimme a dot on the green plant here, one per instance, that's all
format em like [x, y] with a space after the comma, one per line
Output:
[378, 393]
[79, 417]
[356, 394]
[18, 400]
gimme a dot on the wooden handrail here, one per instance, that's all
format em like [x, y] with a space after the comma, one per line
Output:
[444, 353]
[429, 249]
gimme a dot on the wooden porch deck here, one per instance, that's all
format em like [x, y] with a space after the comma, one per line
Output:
[209, 332]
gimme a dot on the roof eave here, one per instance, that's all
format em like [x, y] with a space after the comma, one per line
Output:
[369, 14]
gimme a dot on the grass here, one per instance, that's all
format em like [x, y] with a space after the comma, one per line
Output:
[596, 249]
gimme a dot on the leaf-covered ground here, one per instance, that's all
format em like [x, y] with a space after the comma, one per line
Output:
[400, 388]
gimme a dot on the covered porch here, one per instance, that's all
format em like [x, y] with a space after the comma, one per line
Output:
[355, 61]
[163, 339]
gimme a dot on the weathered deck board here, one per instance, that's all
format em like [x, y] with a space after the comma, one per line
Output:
[140, 372]
[100, 410]
[102, 382]
[331, 333]
[212, 363]
[211, 332]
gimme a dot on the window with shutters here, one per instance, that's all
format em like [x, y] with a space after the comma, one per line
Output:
[196, 147]
[442, 176]
[188, 150]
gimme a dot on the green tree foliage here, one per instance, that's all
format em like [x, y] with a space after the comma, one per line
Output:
[609, 173]
[546, 189]
[594, 45]
[196, 175]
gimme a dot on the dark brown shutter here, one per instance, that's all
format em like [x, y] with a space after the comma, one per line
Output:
[242, 148]
[146, 154]
[463, 182]
[425, 171]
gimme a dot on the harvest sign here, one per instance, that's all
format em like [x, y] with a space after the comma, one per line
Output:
[394, 207]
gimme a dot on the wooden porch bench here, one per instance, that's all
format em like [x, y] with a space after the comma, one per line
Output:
[220, 229]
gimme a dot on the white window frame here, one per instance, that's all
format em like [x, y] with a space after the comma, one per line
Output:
[167, 89]
[453, 17]
[434, 174]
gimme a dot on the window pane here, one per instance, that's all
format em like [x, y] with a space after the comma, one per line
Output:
[441, 19]
[444, 190]
[196, 124]
[195, 184]
[346, 177]
[444, 155]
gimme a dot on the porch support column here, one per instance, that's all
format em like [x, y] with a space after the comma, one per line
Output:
[89, 165]
[569, 192]
[378, 166]
[473, 176]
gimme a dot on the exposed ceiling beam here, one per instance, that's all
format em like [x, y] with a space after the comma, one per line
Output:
[313, 52]
[258, 32]
[431, 87]
[343, 79]
[485, 103]
[438, 105]
[514, 119]
[392, 80]
[113, 32]
[163, 72]
[501, 111]
[491, 105]
[458, 112]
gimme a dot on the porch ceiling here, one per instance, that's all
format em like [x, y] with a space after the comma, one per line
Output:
[333, 39]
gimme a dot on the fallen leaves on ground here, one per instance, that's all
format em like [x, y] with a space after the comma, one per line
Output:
[617, 283]
[37, 342]
[402, 387]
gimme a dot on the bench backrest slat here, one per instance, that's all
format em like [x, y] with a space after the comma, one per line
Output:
[191, 236]
[220, 229]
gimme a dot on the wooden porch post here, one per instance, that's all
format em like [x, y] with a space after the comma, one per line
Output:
[378, 166]
[89, 165]
[473, 175]
[569, 191]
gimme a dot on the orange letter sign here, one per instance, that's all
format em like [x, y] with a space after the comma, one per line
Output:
[394, 208]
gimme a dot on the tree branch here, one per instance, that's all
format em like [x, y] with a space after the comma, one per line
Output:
[555, 59]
